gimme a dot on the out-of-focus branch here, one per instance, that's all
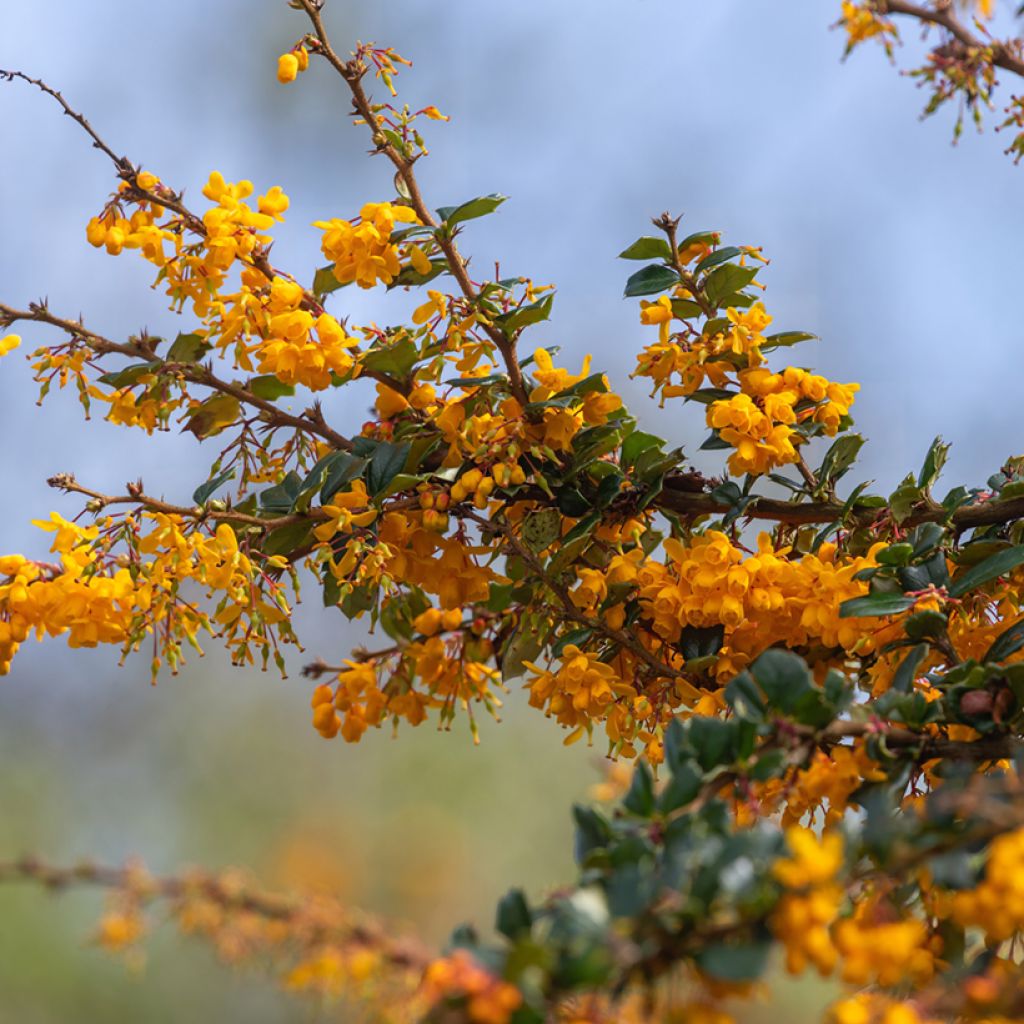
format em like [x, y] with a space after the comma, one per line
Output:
[316, 920]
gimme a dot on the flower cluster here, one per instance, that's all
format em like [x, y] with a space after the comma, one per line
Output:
[362, 251]
[759, 421]
[459, 978]
[996, 905]
[804, 915]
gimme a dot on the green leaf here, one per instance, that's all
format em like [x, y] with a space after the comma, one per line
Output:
[636, 444]
[904, 676]
[593, 831]
[651, 280]
[922, 625]
[204, 491]
[410, 277]
[470, 210]
[683, 787]
[281, 497]
[727, 280]
[840, 457]
[640, 798]
[647, 248]
[875, 604]
[745, 698]
[542, 528]
[524, 316]
[992, 568]
[904, 498]
[723, 255]
[786, 338]
[783, 676]
[324, 281]
[130, 374]
[395, 358]
[525, 644]
[513, 918]
[286, 539]
[701, 641]
[686, 309]
[340, 468]
[933, 463]
[386, 462]
[188, 348]
[1008, 642]
[269, 387]
[713, 741]
[213, 415]
[734, 963]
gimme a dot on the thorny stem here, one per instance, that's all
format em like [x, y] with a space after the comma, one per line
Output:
[669, 225]
[196, 373]
[352, 71]
[67, 483]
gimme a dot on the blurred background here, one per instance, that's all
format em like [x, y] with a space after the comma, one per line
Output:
[899, 251]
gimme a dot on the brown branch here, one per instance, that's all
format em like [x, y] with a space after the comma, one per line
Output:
[352, 72]
[180, 888]
[67, 483]
[670, 225]
[196, 373]
[678, 496]
[929, 747]
[1004, 55]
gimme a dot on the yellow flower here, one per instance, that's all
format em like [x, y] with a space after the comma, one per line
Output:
[287, 68]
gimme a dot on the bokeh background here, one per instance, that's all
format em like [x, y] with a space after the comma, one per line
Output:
[900, 252]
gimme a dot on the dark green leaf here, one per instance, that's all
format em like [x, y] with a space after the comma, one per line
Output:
[524, 316]
[281, 497]
[903, 679]
[130, 374]
[470, 210]
[1008, 642]
[727, 280]
[325, 282]
[719, 256]
[786, 338]
[188, 348]
[783, 676]
[992, 568]
[395, 358]
[342, 468]
[933, 463]
[651, 280]
[269, 387]
[286, 539]
[640, 798]
[683, 786]
[647, 248]
[840, 457]
[875, 604]
[734, 963]
[513, 918]
[205, 491]
[387, 461]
